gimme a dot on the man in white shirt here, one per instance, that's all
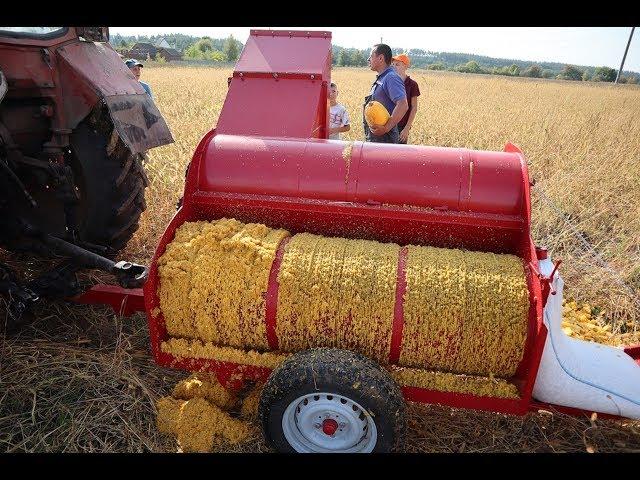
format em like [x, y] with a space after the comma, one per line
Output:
[338, 116]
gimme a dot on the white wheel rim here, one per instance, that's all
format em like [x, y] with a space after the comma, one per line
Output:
[328, 423]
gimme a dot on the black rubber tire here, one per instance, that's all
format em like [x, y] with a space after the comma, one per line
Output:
[112, 182]
[340, 372]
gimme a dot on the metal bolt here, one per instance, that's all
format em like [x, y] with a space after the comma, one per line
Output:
[329, 427]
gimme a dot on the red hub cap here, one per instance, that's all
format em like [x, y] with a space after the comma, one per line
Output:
[329, 426]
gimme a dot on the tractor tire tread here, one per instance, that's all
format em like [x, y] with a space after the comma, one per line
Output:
[119, 201]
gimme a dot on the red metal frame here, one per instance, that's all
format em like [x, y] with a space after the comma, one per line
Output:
[398, 222]
[271, 301]
[472, 199]
[279, 86]
[123, 301]
[398, 311]
[464, 400]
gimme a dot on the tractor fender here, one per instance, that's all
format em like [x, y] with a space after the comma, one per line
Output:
[93, 73]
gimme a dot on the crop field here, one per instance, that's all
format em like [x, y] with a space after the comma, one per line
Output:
[582, 142]
[80, 378]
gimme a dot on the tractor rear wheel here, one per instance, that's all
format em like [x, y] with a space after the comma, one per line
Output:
[109, 184]
[327, 400]
[111, 181]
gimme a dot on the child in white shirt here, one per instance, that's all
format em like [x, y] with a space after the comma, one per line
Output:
[338, 116]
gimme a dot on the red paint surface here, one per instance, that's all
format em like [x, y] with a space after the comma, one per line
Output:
[336, 211]
[271, 301]
[398, 313]
[463, 400]
[329, 426]
[634, 352]
[279, 86]
[123, 301]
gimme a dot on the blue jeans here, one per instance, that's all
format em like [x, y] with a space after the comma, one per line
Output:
[392, 136]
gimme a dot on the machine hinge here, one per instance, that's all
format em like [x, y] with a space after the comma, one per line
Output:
[547, 282]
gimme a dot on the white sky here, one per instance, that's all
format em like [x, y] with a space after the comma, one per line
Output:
[595, 46]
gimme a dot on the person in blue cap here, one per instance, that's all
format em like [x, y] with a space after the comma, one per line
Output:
[135, 67]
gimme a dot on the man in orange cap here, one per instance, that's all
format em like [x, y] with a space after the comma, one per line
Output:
[400, 63]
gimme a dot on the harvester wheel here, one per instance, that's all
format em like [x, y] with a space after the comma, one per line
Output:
[111, 181]
[328, 400]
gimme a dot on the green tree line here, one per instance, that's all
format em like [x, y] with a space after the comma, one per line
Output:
[568, 72]
[478, 64]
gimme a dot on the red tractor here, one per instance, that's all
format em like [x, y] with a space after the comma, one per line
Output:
[74, 128]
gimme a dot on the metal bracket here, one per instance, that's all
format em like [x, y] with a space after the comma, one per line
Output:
[547, 282]
[46, 57]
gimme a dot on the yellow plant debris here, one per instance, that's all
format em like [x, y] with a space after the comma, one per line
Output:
[198, 425]
[451, 382]
[213, 277]
[346, 155]
[205, 385]
[336, 292]
[168, 414]
[587, 323]
[465, 312]
[183, 348]
[249, 409]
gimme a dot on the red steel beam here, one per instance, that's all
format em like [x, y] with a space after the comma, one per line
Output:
[123, 301]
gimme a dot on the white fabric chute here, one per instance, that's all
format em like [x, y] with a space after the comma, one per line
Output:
[580, 374]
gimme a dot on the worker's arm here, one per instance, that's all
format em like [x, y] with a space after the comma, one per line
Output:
[346, 124]
[404, 134]
[398, 112]
[344, 128]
